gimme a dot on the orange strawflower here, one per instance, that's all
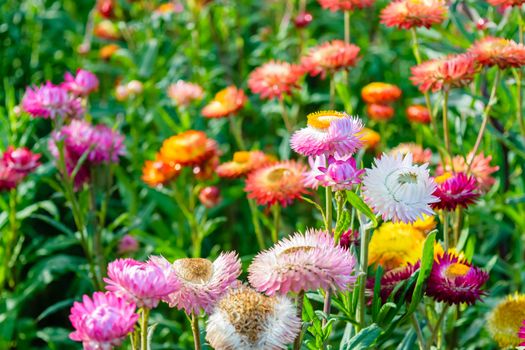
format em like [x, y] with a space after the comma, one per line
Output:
[379, 112]
[330, 57]
[370, 138]
[378, 92]
[156, 172]
[243, 163]
[418, 114]
[345, 5]
[107, 51]
[226, 102]
[190, 147]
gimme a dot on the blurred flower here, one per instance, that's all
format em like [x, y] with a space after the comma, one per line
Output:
[244, 320]
[395, 244]
[106, 29]
[157, 172]
[480, 169]
[379, 112]
[210, 196]
[102, 322]
[303, 19]
[454, 281]
[391, 278]
[243, 163]
[406, 14]
[425, 225]
[144, 284]
[21, 160]
[282, 183]
[128, 244]
[418, 114]
[345, 5]
[205, 170]
[420, 155]
[458, 190]
[303, 262]
[82, 84]
[369, 138]
[340, 174]
[348, 238]
[107, 51]
[167, 9]
[328, 132]
[499, 52]
[121, 92]
[521, 333]
[190, 147]
[505, 320]
[380, 93]
[51, 101]
[106, 8]
[330, 57]
[444, 73]
[9, 177]
[506, 3]
[274, 79]
[184, 93]
[135, 87]
[482, 24]
[399, 190]
[225, 103]
[203, 282]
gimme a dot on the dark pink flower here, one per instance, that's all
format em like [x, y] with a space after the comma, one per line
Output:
[9, 178]
[82, 84]
[457, 190]
[340, 174]
[21, 159]
[50, 101]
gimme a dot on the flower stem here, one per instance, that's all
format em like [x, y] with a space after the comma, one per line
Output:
[417, 328]
[256, 224]
[347, 26]
[437, 326]
[446, 132]
[328, 224]
[446, 240]
[332, 91]
[195, 330]
[144, 329]
[363, 259]
[300, 302]
[284, 113]
[486, 113]
[276, 211]
[236, 130]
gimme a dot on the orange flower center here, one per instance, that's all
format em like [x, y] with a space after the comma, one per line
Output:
[457, 270]
[323, 119]
[241, 157]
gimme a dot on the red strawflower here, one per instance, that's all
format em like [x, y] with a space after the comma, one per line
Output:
[330, 57]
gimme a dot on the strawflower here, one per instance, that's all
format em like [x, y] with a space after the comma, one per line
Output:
[418, 114]
[505, 320]
[480, 169]
[190, 147]
[345, 5]
[184, 93]
[82, 84]
[243, 163]
[51, 101]
[407, 14]
[379, 112]
[380, 93]
[329, 58]
[499, 52]
[420, 155]
[457, 190]
[340, 174]
[225, 103]
[274, 79]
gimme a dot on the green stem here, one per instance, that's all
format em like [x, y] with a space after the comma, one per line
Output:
[446, 132]
[276, 211]
[144, 329]
[437, 326]
[347, 26]
[446, 238]
[284, 113]
[328, 225]
[195, 331]
[332, 91]
[300, 302]
[417, 328]
[236, 130]
[362, 278]
[256, 224]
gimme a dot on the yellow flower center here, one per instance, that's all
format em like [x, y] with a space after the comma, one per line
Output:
[457, 270]
[195, 270]
[241, 157]
[323, 119]
[277, 174]
[442, 178]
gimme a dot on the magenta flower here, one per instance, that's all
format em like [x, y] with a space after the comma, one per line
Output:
[9, 177]
[458, 190]
[521, 333]
[393, 277]
[303, 262]
[50, 101]
[102, 322]
[202, 282]
[145, 284]
[82, 84]
[21, 159]
[340, 174]
[453, 280]
[128, 244]
[328, 132]
[348, 238]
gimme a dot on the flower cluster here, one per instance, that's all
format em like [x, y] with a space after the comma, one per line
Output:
[379, 97]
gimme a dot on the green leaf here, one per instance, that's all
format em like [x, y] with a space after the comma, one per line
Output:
[376, 301]
[361, 206]
[149, 58]
[344, 95]
[365, 338]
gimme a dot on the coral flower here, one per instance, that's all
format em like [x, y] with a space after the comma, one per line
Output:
[506, 3]
[395, 244]
[282, 183]
[499, 52]
[369, 138]
[380, 93]
[81, 84]
[399, 190]
[303, 262]
[458, 190]
[379, 112]
[203, 282]
[274, 79]
[418, 114]
[21, 160]
[184, 93]
[225, 103]
[330, 57]
[107, 51]
[102, 322]
[244, 320]
[505, 320]
[190, 147]
[345, 5]
[445, 73]
[406, 14]
[420, 155]
[328, 132]
[243, 163]
[145, 284]
[340, 174]
[480, 169]
[157, 172]
[51, 101]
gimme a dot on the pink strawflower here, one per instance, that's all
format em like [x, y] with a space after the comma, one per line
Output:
[499, 52]
[330, 57]
[406, 14]
[184, 93]
[50, 101]
[328, 132]
[22, 160]
[274, 79]
[303, 262]
[480, 169]
[453, 280]
[340, 174]
[310, 176]
[82, 84]
[102, 322]
[9, 177]
[445, 73]
[345, 5]
[143, 283]
[128, 244]
[202, 282]
[521, 333]
[456, 190]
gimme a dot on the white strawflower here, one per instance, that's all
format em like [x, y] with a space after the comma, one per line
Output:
[398, 189]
